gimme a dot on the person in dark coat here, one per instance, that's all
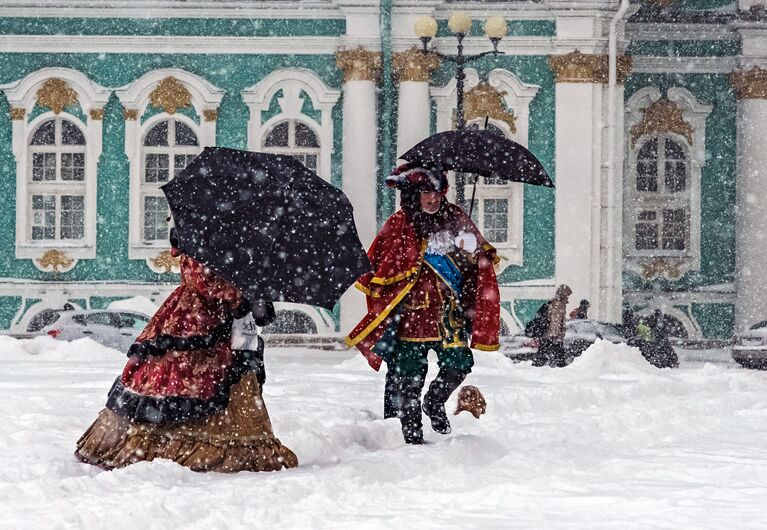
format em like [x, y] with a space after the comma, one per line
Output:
[658, 350]
[581, 312]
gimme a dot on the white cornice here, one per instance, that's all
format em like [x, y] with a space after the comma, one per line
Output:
[683, 65]
[140, 9]
[166, 45]
[678, 32]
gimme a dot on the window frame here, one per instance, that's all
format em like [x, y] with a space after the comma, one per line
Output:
[293, 150]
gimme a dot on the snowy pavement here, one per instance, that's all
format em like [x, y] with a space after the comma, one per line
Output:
[608, 442]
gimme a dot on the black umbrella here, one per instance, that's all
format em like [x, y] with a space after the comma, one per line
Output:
[482, 152]
[268, 225]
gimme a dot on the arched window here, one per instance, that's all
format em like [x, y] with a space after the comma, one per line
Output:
[56, 182]
[168, 146]
[662, 196]
[294, 138]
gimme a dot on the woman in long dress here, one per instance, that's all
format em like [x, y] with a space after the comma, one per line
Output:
[184, 395]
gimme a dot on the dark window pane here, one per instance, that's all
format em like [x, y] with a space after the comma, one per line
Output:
[676, 176]
[156, 168]
[155, 213]
[674, 150]
[43, 167]
[646, 236]
[185, 135]
[45, 134]
[647, 215]
[311, 162]
[305, 137]
[72, 166]
[71, 134]
[180, 162]
[649, 149]
[278, 136]
[157, 135]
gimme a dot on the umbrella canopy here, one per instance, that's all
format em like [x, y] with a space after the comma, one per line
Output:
[482, 152]
[267, 224]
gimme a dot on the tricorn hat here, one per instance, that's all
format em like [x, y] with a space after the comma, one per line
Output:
[413, 177]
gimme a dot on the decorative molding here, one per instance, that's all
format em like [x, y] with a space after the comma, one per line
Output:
[577, 67]
[671, 269]
[54, 260]
[56, 94]
[483, 100]
[130, 114]
[660, 117]
[170, 95]
[164, 263]
[210, 114]
[749, 84]
[97, 114]
[359, 64]
[296, 85]
[414, 65]
[18, 113]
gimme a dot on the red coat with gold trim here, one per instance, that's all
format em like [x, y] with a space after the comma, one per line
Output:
[397, 258]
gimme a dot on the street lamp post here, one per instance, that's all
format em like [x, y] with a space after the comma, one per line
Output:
[460, 24]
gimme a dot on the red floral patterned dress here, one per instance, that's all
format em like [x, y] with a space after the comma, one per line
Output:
[184, 395]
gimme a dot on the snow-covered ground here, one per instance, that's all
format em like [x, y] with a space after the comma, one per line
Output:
[608, 442]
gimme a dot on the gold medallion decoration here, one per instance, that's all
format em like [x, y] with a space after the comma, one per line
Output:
[56, 94]
[55, 259]
[97, 114]
[661, 117]
[18, 113]
[170, 95]
[749, 84]
[657, 267]
[414, 65]
[359, 64]
[483, 100]
[165, 260]
[210, 114]
[130, 114]
[577, 67]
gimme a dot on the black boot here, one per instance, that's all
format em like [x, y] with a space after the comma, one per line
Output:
[392, 395]
[410, 411]
[447, 380]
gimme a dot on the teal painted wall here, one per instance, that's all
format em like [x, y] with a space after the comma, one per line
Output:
[685, 48]
[232, 73]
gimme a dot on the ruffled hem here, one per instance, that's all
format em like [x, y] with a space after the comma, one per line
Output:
[238, 439]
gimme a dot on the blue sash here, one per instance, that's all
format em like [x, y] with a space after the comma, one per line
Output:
[446, 270]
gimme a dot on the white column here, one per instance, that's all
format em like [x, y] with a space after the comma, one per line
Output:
[413, 114]
[360, 69]
[751, 210]
[576, 205]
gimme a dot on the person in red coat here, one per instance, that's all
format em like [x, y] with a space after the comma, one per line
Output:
[433, 287]
[184, 395]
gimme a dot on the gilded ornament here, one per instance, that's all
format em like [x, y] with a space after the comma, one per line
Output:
[97, 114]
[210, 114]
[414, 65]
[749, 84]
[663, 116]
[18, 113]
[577, 67]
[657, 267]
[56, 94]
[170, 95]
[55, 259]
[359, 64]
[165, 260]
[485, 101]
[130, 114]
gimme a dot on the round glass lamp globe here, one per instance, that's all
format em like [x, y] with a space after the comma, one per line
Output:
[459, 22]
[425, 27]
[496, 28]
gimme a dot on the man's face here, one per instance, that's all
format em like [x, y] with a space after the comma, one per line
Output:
[430, 201]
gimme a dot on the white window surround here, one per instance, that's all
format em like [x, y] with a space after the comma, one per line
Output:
[293, 81]
[135, 98]
[517, 96]
[695, 114]
[90, 97]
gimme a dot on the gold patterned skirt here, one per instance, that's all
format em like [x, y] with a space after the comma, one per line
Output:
[240, 438]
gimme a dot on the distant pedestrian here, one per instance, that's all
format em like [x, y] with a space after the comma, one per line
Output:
[581, 312]
[551, 348]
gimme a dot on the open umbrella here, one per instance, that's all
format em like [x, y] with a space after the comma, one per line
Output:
[268, 225]
[482, 152]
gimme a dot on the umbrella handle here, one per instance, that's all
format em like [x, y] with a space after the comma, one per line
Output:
[473, 194]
